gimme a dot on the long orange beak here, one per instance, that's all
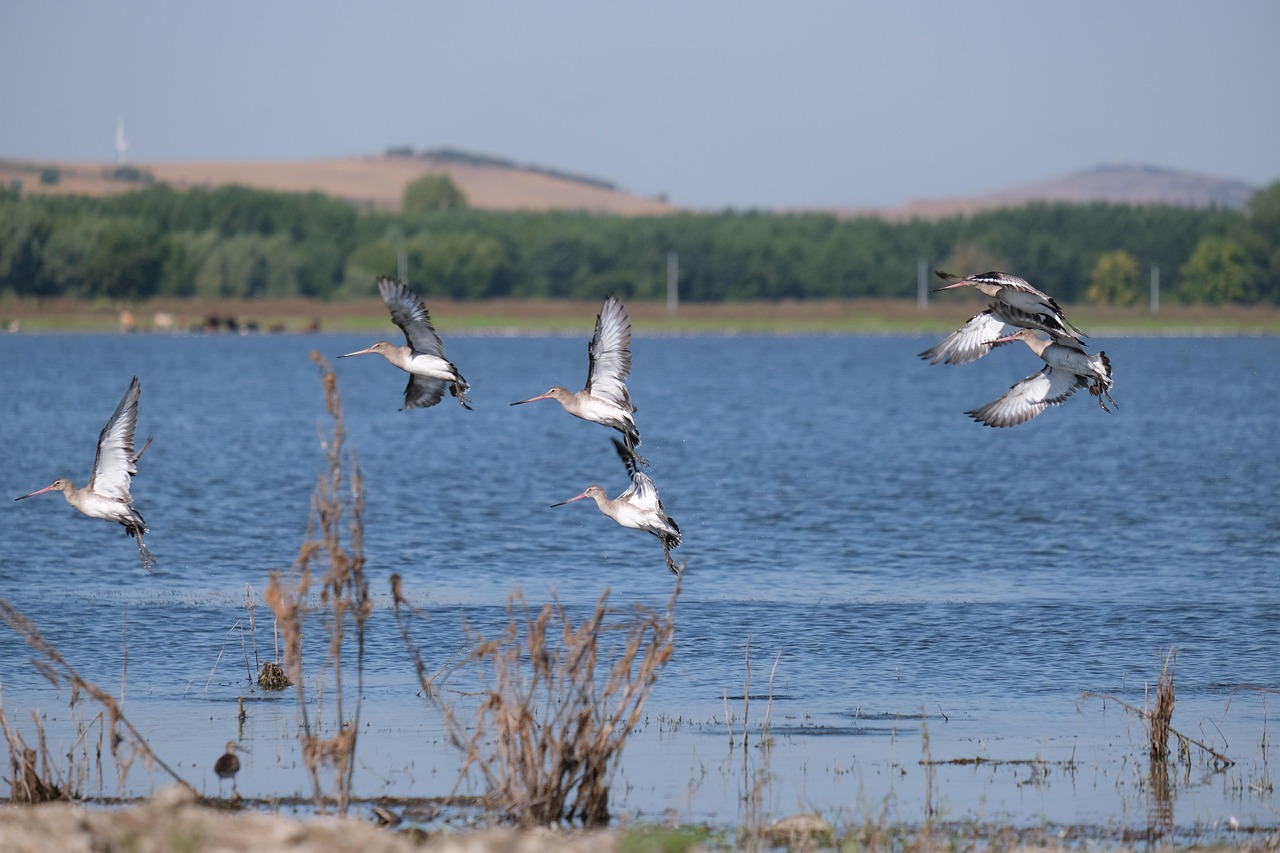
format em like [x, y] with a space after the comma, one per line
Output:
[534, 400]
[571, 500]
[37, 492]
[368, 351]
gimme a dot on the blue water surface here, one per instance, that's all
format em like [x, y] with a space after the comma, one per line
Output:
[917, 586]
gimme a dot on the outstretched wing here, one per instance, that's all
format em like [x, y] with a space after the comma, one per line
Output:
[1028, 398]
[423, 391]
[642, 493]
[971, 341]
[115, 463]
[610, 352]
[409, 312]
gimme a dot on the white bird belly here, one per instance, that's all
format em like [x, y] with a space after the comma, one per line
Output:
[601, 411]
[430, 366]
[107, 509]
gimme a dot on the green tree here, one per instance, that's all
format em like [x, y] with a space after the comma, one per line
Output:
[1219, 270]
[24, 234]
[1114, 280]
[125, 260]
[1261, 238]
[249, 265]
[433, 193]
[464, 266]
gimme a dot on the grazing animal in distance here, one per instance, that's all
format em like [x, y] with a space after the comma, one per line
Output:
[107, 494]
[423, 355]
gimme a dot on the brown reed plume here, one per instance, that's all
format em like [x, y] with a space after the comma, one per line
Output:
[1158, 719]
[34, 782]
[344, 603]
[560, 702]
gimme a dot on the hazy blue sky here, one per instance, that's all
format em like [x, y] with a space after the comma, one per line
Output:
[716, 104]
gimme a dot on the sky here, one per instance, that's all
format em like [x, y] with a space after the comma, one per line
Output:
[713, 104]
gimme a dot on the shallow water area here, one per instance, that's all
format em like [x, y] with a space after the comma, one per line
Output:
[906, 585]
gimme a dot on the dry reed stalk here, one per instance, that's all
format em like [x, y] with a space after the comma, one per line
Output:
[1159, 719]
[425, 680]
[32, 777]
[50, 663]
[344, 597]
[560, 704]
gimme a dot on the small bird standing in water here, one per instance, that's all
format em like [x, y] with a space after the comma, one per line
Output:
[423, 358]
[227, 765]
[107, 494]
[639, 507]
[604, 399]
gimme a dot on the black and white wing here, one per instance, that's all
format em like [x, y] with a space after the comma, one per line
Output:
[1028, 398]
[409, 312]
[971, 341]
[423, 391]
[642, 491]
[115, 463]
[610, 353]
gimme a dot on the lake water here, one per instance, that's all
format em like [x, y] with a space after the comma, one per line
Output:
[928, 588]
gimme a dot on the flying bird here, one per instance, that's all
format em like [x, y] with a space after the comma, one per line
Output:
[979, 334]
[1067, 369]
[423, 358]
[639, 507]
[604, 399]
[107, 494]
[1015, 292]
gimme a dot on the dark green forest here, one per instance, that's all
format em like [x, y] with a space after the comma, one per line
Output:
[238, 242]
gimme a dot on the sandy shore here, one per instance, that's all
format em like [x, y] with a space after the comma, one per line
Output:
[175, 820]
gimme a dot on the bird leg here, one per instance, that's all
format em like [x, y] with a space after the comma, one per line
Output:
[629, 441]
[1098, 390]
[148, 561]
[461, 394]
[666, 552]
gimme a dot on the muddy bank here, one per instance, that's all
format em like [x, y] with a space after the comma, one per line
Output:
[174, 820]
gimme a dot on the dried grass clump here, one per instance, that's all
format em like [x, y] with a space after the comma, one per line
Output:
[35, 776]
[560, 702]
[344, 604]
[1160, 718]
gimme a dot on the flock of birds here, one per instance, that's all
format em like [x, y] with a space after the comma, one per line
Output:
[1017, 313]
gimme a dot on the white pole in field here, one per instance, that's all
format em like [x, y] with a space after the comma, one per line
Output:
[1155, 289]
[673, 282]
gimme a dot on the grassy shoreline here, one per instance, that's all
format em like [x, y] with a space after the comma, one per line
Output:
[514, 316]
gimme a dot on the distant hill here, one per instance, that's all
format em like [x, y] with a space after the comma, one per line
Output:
[1120, 184]
[376, 181]
[496, 183]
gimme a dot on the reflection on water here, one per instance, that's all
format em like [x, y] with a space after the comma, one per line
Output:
[908, 570]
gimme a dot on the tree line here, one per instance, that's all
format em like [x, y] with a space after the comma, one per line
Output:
[245, 243]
